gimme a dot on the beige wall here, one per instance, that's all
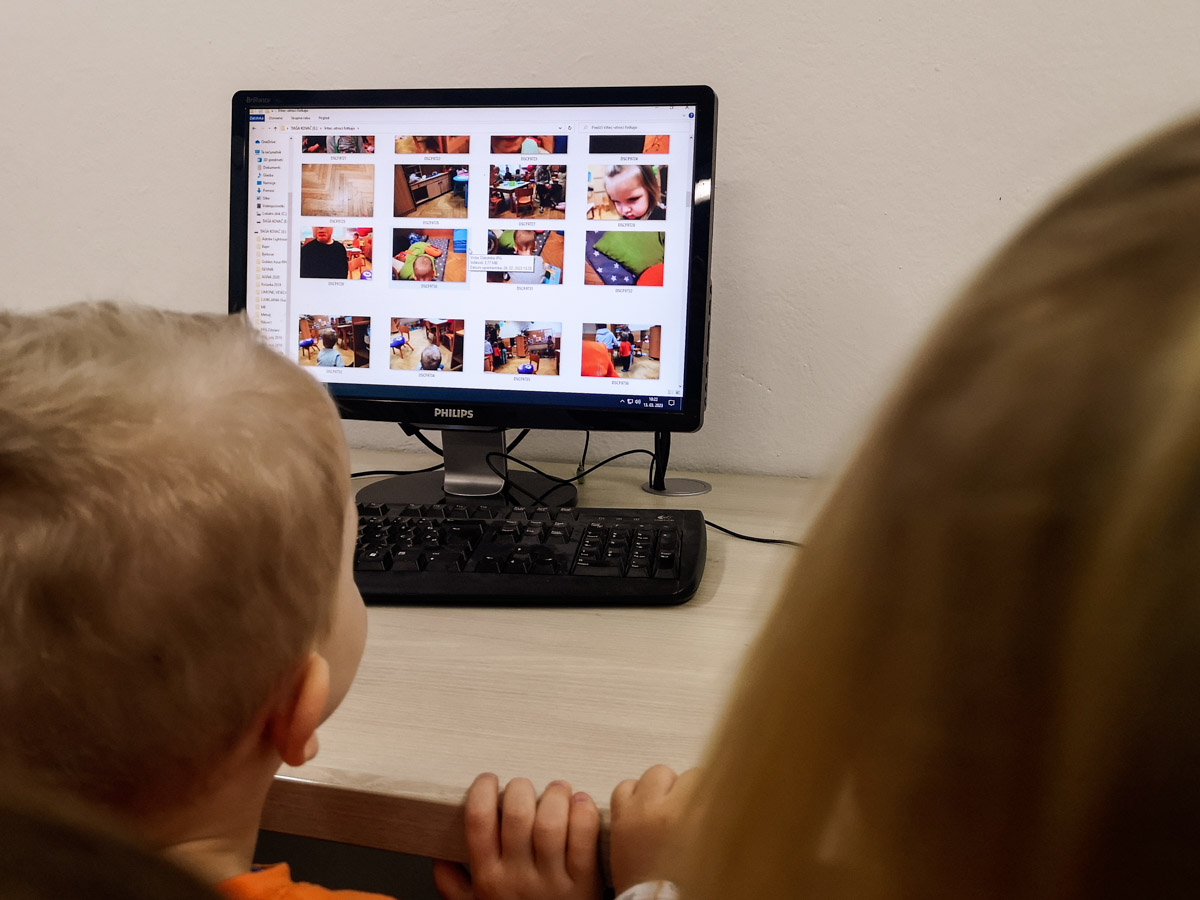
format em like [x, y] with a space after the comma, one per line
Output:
[870, 155]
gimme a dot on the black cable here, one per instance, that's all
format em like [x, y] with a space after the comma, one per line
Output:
[416, 432]
[559, 482]
[419, 435]
[587, 440]
[746, 537]
[396, 471]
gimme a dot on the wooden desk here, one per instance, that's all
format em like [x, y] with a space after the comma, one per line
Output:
[593, 696]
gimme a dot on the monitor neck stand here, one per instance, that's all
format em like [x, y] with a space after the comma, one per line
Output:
[468, 478]
[670, 487]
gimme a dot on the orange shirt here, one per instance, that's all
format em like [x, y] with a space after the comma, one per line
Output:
[275, 883]
[597, 360]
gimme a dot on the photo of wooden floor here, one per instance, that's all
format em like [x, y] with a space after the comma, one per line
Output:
[445, 206]
[416, 339]
[544, 366]
[639, 367]
[337, 190]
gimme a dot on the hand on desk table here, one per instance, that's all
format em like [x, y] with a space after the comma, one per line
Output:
[524, 849]
[646, 817]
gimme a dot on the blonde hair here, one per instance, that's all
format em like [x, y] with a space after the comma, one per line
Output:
[170, 542]
[524, 238]
[647, 176]
[991, 643]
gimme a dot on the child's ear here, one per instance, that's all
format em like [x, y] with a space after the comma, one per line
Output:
[292, 728]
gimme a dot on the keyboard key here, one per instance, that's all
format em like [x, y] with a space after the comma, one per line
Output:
[408, 561]
[374, 558]
[588, 568]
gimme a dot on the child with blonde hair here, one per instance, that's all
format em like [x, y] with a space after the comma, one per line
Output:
[981, 679]
[178, 616]
[525, 244]
[635, 191]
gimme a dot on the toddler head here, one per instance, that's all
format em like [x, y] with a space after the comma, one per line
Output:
[423, 269]
[173, 518]
[431, 358]
[524, 243]
[328, 338]
[634, 190]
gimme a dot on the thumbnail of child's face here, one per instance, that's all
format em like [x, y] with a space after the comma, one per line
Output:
[322, 234]
[628, 194]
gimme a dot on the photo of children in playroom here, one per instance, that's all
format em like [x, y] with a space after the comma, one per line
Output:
[627, 192]
[431, 254]
[335, 342]
[427, 344]
[521, 348]
[337, 143]
[527, 146]
[527, 192]
[624, 258]
[619, 350]
[544, 247]
[629, 143]
[431, 191]
[337, 189]
[441, 143]
[337, 252]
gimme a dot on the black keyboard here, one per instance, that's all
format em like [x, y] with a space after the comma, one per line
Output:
[502, 555]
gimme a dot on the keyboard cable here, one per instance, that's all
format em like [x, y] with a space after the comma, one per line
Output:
[578, 477]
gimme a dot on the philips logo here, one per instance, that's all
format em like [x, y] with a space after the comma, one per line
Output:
[453, 413]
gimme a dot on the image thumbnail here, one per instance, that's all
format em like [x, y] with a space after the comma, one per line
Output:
[337, 143]
[624, 258]
[621, 350]
[521, 348]
[431, 191]
[629, 143]
[333, 252]
[527, 145]
[526, 192]
[546, 248]
[437, 254]
[442, 143]
[337, 189]
[335, 342]
[428, 344]
[627, 192]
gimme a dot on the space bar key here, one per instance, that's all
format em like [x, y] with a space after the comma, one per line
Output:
[585, 569]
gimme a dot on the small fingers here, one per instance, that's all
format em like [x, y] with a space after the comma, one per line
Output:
[452, 881]
[482, 820]
[517, 809]
[621, 795]
[583, 836]
[550, 828]
[657, 779]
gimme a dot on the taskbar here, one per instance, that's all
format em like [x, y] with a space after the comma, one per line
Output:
[475, 398]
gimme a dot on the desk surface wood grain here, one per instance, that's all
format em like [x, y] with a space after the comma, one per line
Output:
[592, 696]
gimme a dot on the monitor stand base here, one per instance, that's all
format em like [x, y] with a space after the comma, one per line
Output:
[678, 487]
[521, 489]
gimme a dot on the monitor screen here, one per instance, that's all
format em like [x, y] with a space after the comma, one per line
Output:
[499, 257]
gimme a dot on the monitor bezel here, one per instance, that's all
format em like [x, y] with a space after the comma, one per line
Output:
[513, 409]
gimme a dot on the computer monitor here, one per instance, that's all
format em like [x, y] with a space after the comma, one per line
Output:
[478, 260]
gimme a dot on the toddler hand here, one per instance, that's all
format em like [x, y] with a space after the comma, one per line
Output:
[646, 815]
[525, 849]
